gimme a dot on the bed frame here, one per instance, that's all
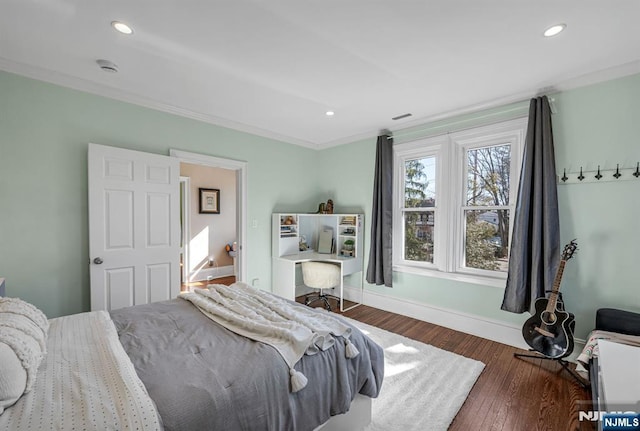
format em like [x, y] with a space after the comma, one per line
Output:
[356, 419]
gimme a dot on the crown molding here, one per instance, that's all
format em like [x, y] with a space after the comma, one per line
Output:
[103, 90]
[608, 74]
[584, 80]
[80, 84]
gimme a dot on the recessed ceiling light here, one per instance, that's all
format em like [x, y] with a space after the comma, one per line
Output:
[555, 29]
[330, 113]
[121, 27]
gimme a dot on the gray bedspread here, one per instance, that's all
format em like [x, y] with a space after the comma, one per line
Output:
[205, 377]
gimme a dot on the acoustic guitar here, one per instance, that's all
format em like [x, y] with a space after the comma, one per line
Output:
[550, 330]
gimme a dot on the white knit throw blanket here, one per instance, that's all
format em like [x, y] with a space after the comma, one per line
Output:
[591, 349]
[24, 329]
[291, 329]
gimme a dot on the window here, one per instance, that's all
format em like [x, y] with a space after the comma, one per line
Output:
[419, 208]
[455, 196]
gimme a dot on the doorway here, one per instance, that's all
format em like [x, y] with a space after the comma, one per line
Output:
[212, 243]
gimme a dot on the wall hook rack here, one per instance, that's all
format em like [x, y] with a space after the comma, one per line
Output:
[601, 175]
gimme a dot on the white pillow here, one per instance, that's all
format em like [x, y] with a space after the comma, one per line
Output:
[23, 344]
[13, 377]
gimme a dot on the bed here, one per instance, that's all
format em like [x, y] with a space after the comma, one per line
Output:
[167, 365]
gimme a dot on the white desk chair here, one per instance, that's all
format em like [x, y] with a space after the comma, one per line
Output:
[320, 275]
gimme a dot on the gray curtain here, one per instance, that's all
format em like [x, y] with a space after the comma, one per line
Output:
[379, 269]
[535, 247]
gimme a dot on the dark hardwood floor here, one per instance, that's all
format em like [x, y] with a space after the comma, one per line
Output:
[511, 394]
[201, 284]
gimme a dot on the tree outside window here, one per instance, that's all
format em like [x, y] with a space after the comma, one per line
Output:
[419, 207]
[487, 207]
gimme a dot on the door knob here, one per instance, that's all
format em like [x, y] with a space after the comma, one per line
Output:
[97, 260]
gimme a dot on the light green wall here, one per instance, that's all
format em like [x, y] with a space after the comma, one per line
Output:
[44, 131]
[599, 124]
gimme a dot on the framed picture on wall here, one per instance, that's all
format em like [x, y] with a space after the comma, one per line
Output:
[209, 201]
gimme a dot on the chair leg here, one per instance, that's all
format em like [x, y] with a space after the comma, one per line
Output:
[311, 299]
[327, 305]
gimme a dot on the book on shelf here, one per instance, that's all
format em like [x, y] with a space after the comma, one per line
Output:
[350, 220]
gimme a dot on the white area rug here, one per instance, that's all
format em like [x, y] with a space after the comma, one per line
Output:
[423, 387]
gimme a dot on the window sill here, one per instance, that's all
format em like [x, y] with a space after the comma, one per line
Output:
[499, 282]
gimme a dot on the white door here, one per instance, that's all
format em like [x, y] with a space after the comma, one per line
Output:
[134, 227]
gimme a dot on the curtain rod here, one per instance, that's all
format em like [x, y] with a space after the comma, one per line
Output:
[552, 106]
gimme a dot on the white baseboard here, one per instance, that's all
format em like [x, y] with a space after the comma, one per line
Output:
[215, 272]
[479, 326]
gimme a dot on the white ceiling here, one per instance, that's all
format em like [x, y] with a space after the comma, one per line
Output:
[274, 68]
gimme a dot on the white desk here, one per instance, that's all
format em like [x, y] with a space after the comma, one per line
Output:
[284, 272]
[619, 374]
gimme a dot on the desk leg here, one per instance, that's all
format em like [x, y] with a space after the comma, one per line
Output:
[341, 288]
[359, 303]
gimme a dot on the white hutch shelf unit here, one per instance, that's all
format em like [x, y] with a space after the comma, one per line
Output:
[291, 230]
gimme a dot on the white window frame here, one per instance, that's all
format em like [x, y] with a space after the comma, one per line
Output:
[413, 150]
[450, 151]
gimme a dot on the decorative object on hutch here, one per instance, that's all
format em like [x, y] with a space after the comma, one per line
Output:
[329, 207]
[347, 248]
[325, 208]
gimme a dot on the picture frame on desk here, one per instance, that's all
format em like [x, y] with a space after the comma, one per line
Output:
[325, 242]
